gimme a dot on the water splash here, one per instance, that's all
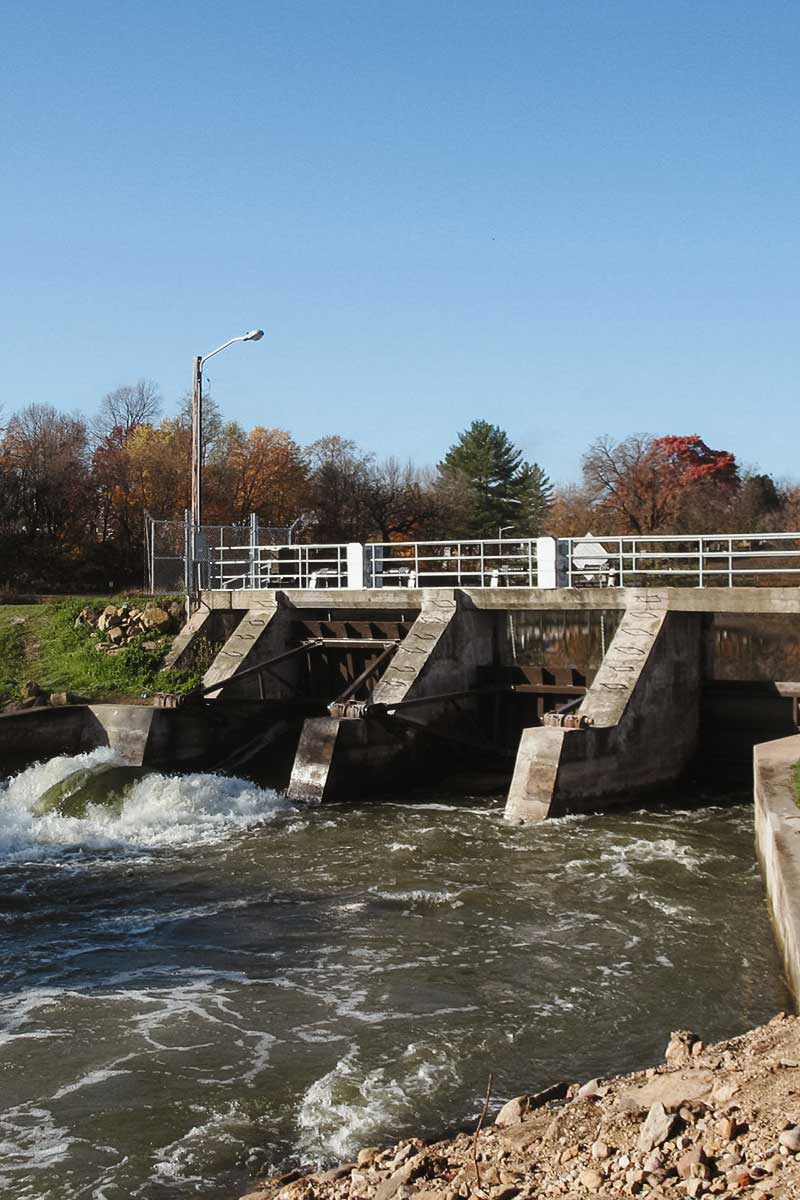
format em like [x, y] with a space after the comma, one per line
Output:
[350, 1105]
[159, 811]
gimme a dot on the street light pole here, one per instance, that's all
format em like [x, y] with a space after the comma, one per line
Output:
[198, 362]
[197, 425]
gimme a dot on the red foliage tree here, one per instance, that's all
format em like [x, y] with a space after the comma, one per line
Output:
[647, 484]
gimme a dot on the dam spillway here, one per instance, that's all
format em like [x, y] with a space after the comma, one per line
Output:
[580, 695]
[572, 697]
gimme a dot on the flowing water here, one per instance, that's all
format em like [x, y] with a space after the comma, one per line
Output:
[213, 984]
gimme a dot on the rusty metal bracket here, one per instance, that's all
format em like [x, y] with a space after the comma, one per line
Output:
[567, 720]
[347, 708]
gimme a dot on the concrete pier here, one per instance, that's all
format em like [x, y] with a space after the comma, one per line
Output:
[641, 713]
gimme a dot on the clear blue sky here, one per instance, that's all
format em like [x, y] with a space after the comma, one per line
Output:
[568, 218]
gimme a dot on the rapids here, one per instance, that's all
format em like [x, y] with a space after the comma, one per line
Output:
[211, 983]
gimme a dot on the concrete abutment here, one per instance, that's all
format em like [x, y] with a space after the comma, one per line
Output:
[642, 714]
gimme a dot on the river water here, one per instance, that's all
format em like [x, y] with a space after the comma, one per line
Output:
[214, 984]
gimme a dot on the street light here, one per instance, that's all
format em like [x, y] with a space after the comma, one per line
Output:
[199, 361]
[255, 335]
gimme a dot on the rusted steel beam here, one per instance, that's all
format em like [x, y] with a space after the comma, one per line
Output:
[199, 693]
[365, 675]
[436, 698]
[350, 643]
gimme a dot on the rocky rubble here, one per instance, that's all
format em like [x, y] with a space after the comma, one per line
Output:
[715, 1122]
[35, 697]
[118, 624]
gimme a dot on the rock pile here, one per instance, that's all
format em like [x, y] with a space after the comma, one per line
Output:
[714, 1122]
[35, 697]
[118, 624]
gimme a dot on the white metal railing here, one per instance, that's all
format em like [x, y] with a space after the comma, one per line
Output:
[250, 567]
[703, 560]
[487, 563]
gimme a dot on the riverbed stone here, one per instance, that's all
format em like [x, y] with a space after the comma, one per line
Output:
[790, 1138]
[391, 1186]
[512, 1112]
[680, 1044]
[590, 1179]
[673, 1089]
[657, 1127]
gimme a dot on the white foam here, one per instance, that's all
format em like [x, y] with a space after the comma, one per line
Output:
[423, 896]
[159, 811]
[29, 1137]
[348, 1107]
[647, 850]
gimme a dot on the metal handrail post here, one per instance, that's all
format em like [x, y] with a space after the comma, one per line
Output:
[700, 558]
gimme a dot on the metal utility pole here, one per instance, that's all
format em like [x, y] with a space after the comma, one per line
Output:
[198, 362]
[197, 428]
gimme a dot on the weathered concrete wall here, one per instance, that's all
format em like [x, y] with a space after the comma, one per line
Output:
[777, 827]
[42, 733]
[206, 629]
[448, 643]
[140, 735]
[699, 600]
[261, 634]
[752, 646]
[644, 705]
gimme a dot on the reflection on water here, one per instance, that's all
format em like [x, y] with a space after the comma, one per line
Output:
[212, 983]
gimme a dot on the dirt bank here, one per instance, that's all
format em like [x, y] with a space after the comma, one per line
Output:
[721, 1121]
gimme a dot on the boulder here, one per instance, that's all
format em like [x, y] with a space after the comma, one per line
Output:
[657, 1127]
[109, 618]
[679, 1047]
[512, 1112]
[790, 1138]
[155, 618]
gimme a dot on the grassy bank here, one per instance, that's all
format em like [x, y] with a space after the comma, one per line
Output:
[41, 644]
[796, 782]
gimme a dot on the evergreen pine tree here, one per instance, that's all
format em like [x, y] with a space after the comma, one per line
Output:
[506, 490]
[534, 489]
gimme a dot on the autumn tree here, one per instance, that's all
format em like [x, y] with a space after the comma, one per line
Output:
[126, 407]
[644, 484]
[263, 471]
[573, 512]
[338, 482]
[398, 501]
[45, 456]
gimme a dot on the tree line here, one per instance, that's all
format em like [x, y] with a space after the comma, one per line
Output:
[74, 491]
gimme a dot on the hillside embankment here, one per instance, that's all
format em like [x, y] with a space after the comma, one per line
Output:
[88, 648]
[720, 1121]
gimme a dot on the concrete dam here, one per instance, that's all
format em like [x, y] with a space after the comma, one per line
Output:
[572, 673]
[577, 696]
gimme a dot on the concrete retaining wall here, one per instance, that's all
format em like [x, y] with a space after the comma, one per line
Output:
[777, 828]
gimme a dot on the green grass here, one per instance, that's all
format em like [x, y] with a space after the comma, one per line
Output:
[796, 782]
[41, 644]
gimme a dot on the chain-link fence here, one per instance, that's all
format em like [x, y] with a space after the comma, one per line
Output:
[181, 559]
